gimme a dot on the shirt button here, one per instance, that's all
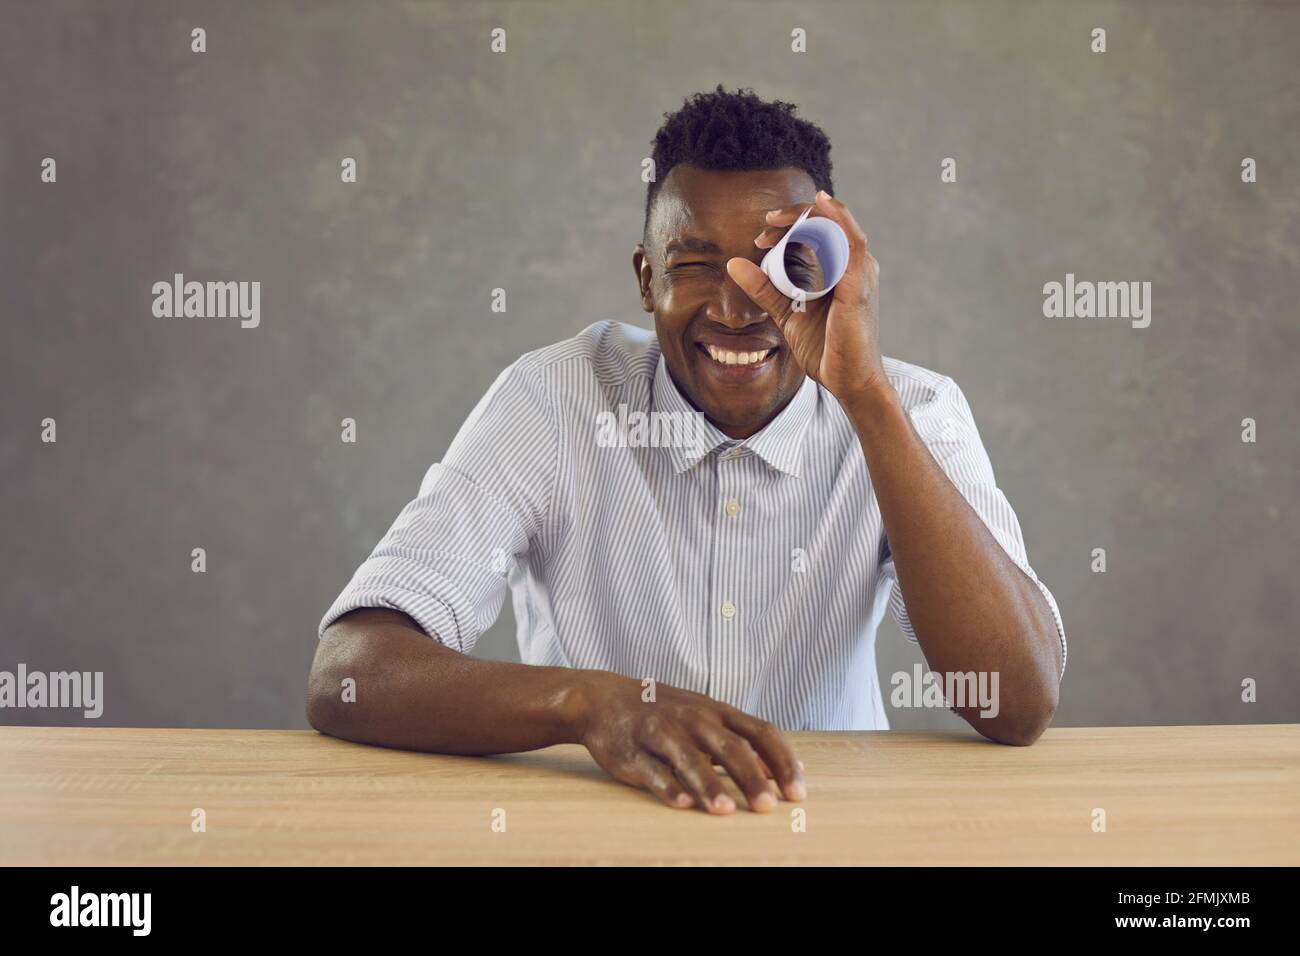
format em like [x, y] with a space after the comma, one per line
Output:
[733, 507]
[728, 610]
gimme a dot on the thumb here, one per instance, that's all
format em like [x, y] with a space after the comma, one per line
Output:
[756, 285]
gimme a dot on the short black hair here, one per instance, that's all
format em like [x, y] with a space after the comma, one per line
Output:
[722, 130]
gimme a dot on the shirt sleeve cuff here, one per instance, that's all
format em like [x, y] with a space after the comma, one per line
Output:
[435, 617]
[1056, 618]
[899, 609]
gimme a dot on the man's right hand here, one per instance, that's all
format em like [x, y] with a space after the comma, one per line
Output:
[669, 746]
[415, 693]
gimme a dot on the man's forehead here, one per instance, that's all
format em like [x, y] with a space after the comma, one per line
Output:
[693, 199]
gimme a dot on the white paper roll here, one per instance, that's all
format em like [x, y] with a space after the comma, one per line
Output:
[828, 243]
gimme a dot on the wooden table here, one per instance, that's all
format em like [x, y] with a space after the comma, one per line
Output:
[1172, 795]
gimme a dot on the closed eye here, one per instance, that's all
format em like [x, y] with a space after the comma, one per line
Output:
[688, 268]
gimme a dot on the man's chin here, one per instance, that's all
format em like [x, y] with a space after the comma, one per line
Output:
[737, 419]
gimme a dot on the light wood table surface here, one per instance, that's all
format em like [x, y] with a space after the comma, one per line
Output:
[1172, 795]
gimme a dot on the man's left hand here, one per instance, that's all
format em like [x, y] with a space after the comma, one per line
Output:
[835, 339]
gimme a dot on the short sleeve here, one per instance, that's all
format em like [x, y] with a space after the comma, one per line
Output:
[947, 427]
[446, 559]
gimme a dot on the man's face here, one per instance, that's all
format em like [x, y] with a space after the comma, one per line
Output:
[705, 322]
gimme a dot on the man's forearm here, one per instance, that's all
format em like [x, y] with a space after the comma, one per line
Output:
[971, 607]
[413, 693]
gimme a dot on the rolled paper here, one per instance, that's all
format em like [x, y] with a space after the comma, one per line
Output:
[828, 243]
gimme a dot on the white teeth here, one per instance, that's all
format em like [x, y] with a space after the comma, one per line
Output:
[736, 358]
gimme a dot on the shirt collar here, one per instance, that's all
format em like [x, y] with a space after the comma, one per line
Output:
[779, 442]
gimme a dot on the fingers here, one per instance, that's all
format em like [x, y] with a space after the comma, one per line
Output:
[756, 285]
[693, 769]
[767, 771]
[657, 777]
[825, 205]
[786, 215]
[766, 295]
[830, 207]
[863, 274]
[833, 209]
[770, 236]
[773, 748]
[741, 761]
[672, 752]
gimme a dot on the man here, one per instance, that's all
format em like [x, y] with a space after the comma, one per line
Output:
[682, 595]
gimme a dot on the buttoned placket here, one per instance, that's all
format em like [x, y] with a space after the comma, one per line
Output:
[726, 613]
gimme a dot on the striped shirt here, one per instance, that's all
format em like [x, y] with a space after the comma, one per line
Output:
[755, 571]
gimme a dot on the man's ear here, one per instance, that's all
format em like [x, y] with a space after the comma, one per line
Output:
[641, 266]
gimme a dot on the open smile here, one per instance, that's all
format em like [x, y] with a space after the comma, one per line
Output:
[736, 365]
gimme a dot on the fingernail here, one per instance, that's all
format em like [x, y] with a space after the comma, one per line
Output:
[800, 763]
[765, 801]
[798, 791]
[823, 194]
[724, 803]
[683, 800]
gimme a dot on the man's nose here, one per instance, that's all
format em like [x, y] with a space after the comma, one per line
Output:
[731, 306]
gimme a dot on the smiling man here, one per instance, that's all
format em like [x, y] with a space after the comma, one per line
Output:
[679, 604]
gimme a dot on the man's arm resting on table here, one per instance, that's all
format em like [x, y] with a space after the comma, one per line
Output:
[971, 607]
[414, 693]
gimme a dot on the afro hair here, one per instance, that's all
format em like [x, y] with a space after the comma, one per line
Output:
[722, 130]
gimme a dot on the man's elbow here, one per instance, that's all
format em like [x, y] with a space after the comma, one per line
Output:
[326, 710]
[1025, 722]
[320, 713]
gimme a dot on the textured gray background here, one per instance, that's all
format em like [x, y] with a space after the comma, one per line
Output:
[522, 171]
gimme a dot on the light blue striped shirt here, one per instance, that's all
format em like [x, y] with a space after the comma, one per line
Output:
[753, 571]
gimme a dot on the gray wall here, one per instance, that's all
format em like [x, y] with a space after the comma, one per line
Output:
[521, 170]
